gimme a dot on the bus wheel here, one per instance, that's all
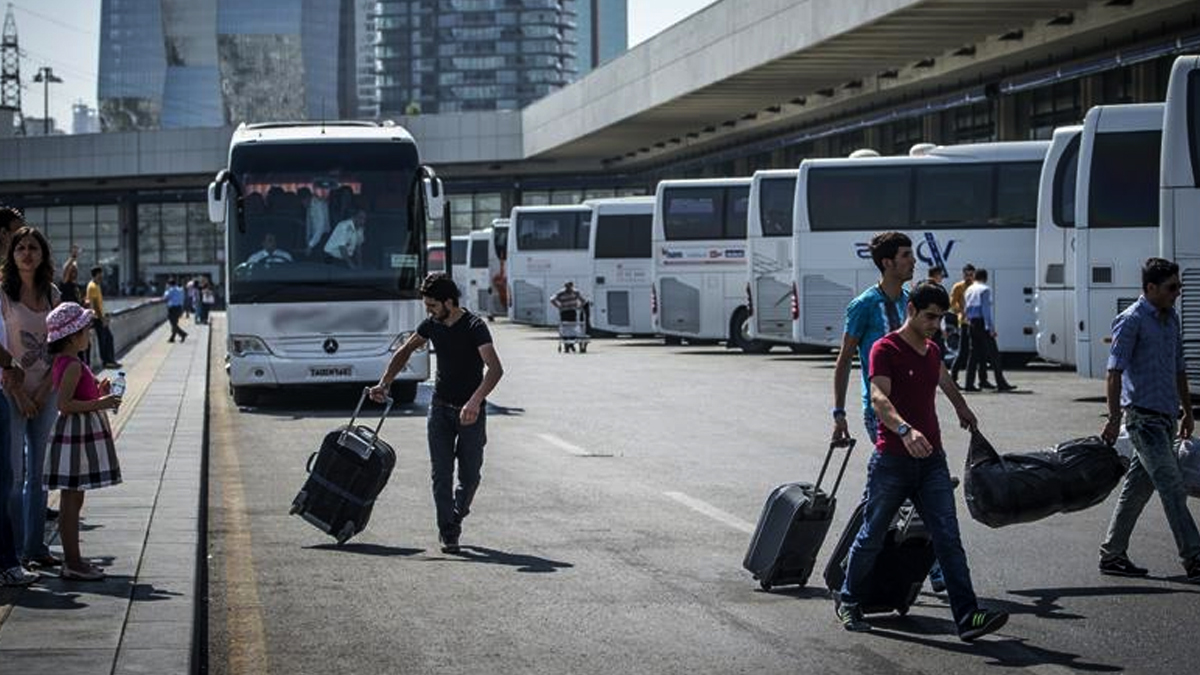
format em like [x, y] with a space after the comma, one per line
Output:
[244, 396]
[672, 340]
[404, 391]
[739, 332]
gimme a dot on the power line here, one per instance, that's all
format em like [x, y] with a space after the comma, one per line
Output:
[52, 19]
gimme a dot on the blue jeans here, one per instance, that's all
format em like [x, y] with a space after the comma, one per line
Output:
[450, 440]
[33, 436]
[890, 480]
[1154, 467]
[8, 482]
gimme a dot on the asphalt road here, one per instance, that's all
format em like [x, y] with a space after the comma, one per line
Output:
[619, 490]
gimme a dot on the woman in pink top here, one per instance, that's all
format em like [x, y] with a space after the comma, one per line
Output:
[26, 279]
[81, 455]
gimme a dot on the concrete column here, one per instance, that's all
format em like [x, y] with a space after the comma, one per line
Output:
[128, 238]
[1007, 124]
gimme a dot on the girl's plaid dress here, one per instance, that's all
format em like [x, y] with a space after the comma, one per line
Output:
[81, 454]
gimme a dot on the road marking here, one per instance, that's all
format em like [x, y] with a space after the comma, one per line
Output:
[711, 511]
[569, 447]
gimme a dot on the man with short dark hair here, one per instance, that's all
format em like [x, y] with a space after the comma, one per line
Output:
[95, 302]
[457, 423]
[979, 306]
[174, 298]
[906, 370]
[1147, 383]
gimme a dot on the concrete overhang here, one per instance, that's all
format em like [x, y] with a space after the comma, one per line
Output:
[739, 69]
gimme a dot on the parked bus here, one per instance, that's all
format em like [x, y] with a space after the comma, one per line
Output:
[435, 257]
[773, 301]
[699, 241]
[622, 265]
[1116, 221]
[498, 266]
[1054, 290]
[547, 246]
[478, 277]
[379, 197]
[960, 204]
[458, 262]
[1179, 200]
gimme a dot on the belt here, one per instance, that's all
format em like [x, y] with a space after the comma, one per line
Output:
[443, 403]
[1147, 411]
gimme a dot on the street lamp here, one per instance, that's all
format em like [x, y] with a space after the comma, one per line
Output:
[46, 76]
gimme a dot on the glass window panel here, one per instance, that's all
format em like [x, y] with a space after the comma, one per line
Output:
[1124, 180]
[1017, 186]
[549, 231]
[108, 236]
[953, 196]
[1064, 185]
[174, 233]
[859, 199]
[693, 213]
[202, 241]
[776, 200]
[737, 204]
[566, 197]
[623, 236]
[149, 234]
[538, 198]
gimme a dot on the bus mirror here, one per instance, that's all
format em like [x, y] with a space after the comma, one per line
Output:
[217, 193]
[435, 198]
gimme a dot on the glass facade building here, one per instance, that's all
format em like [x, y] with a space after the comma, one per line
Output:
[603, 32]
[201, 63]
[445, 56]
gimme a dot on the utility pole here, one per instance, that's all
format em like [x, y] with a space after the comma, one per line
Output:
[10, 78]
[46, 76]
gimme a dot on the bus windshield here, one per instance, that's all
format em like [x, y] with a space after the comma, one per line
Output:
[326, 222]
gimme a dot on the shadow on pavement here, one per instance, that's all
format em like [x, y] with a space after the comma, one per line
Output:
[799, 593]
[523, 562]
[53, 593]
[1046, 600]
[368, 549]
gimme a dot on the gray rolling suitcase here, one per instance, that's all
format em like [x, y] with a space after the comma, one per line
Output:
[345, 476]
[792, 527]
[901, 568]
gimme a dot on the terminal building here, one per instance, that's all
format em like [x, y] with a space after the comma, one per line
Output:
[732, 89]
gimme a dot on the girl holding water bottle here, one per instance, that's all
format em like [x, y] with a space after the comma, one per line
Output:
[81, 456]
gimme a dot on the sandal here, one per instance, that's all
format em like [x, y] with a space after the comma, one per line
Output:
[90, 574]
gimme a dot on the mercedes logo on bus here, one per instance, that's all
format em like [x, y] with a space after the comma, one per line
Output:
[330, 346]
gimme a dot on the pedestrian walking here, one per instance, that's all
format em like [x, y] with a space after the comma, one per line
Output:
[175, 300]
[958, 315]
[909, 463]
[191, 303]
[95, 302]
[82, 456]
[27, 295]
[468, 369]
[208, 298]
[1147, 385]
[980, 311]
[569, 302]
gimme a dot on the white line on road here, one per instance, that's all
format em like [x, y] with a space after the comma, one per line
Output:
[711, 511]
[564, 445]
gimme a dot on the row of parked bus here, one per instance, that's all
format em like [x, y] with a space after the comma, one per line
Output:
[1063, 227]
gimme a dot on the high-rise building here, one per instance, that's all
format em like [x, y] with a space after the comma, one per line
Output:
[603, 32]
[84, 119]
[367, 101]
[199, 63]
[453, 55]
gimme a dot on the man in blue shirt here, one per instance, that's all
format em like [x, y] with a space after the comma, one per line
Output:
[980, 312]
[174, 298]
[1146, 383]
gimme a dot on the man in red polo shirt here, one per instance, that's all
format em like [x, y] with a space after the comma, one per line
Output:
[906, 371]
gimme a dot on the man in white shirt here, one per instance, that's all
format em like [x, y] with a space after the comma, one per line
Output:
[345, 244]
[317, 217]
[269, 253]
[979, 308]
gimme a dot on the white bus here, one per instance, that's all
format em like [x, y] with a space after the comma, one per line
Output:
[320, 318]
[458, 262]
[1054, 290]
[1116, 221]
[547, 246]
[773, 301]
[622, 267]
[435, 257]
[1179, 199]
[960, 204]
[498, 267]
[700, 261]
[478, 278]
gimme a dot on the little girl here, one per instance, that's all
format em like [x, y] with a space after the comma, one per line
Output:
[81, 455]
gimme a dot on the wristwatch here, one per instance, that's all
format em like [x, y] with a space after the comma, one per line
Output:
[903, 430]
[838, 413]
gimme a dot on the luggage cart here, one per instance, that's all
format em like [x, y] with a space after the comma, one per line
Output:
[572, 331]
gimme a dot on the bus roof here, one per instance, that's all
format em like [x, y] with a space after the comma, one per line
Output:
[1126, 117]
[703, 182]
[500, 222]
[775, 173]
[549, 208]
[1015, 151]
[319, 132]
[485, 233]
[606, 203]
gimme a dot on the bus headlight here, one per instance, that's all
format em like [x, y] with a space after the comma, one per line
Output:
[247, 345]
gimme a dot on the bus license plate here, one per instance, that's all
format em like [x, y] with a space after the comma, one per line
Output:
[331, 371]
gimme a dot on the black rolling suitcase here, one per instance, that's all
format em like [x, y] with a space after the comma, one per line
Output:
[902, 566]
[791, 529]
[345, 476]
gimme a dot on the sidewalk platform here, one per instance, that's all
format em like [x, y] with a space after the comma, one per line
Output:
[147, 533]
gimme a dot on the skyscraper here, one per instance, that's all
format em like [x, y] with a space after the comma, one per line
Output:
[440, 57]
[197, 63]
[603, 32]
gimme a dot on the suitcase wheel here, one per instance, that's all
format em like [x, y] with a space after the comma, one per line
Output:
[345, 534]
[765, 585]
[298, 503]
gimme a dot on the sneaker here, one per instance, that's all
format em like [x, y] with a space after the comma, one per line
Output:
[851, 617]
[980, 623]
[986, 385]
[1193, 571]
[17, 576]
[1122, 567]
[450, 544]
[970, 387]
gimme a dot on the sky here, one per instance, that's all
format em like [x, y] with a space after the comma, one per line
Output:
[65, 35]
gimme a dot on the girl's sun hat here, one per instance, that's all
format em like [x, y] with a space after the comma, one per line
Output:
[66, 320]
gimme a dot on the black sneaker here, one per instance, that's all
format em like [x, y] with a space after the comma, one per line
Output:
[1123, 567]
[980, 623]
[1006, 387]
[450, 544]
[851, 617]
[1193, 571]
[986, 385]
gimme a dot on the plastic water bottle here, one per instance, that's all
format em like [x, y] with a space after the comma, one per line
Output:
[118, 387]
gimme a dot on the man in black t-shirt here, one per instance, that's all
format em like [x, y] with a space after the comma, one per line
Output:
[457, 424]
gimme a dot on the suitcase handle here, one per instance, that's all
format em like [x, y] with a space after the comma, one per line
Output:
[849, 445]
[387, 408]
[311, 458]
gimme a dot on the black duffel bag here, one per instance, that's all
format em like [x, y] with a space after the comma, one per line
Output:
[1021, 488]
